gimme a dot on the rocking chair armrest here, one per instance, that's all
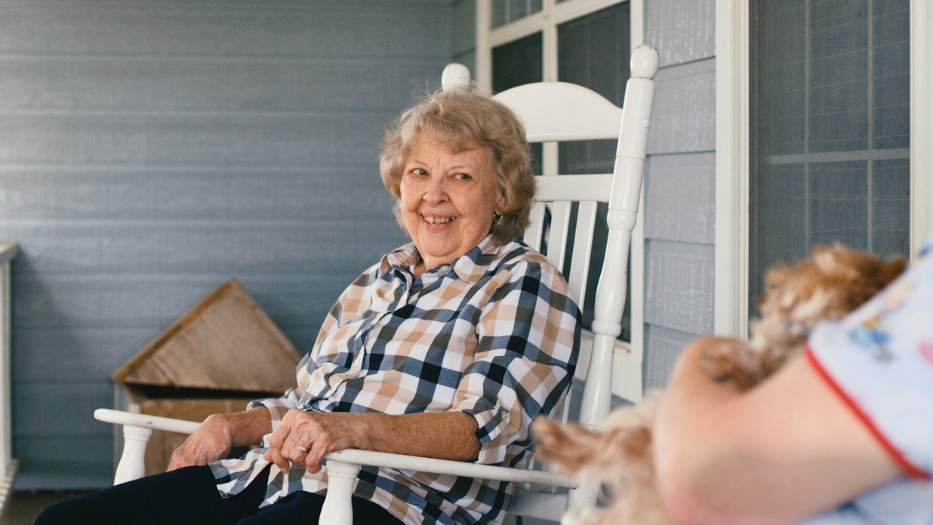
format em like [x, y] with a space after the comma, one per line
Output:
[137, 428]
[342, 468]
[361, 457]
[119, 417]
[444, 466]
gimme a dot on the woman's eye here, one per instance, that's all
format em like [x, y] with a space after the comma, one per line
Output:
[419, 172]
[462, 176]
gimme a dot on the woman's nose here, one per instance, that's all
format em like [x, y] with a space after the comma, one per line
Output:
[436, 191]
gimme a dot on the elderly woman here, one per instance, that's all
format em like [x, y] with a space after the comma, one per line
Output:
[448, 347]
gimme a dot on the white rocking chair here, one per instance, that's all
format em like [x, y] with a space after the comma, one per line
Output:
[552, 112]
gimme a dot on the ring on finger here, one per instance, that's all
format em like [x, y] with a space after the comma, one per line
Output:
[301, 448]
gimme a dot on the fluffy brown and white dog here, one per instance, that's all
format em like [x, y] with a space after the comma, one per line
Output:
[827, 285]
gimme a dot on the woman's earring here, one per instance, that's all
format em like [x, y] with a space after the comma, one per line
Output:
[496, 217]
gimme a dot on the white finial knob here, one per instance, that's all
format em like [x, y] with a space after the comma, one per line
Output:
[645, 62]
[455, 76]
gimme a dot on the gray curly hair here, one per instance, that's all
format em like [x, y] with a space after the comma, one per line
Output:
[462, 119]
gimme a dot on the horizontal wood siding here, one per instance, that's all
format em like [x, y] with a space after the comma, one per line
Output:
[684, 112]
[665, 348]
[683, 29]
[149, 151]
[685, 184]
[680, 276]
[680, 183]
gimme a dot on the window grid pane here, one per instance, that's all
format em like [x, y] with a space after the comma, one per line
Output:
[508, 11]
[517, 63]
[831, 131]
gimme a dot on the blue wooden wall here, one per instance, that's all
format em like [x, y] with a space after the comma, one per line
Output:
[150, 150]
[680, 183]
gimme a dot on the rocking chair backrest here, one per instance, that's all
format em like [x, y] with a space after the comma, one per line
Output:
[561, 112]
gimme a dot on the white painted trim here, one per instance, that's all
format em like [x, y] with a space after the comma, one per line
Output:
[549, 43]
[549, 64]
[6, 482]
[520, 28]
[8, 251]
[575, 9]
[921, 118]
[627, 377]
[483, 46]
[637, 21]
[730, 303]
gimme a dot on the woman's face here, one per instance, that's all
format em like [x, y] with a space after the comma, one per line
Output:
[447, 200]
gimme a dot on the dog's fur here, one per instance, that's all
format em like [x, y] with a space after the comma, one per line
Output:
[827, 285]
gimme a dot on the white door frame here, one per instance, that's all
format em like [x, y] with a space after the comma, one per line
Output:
[921, 118]
[730, 296]
[732, 153]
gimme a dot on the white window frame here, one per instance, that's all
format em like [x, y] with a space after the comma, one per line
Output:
[627, 362]
[731, 299]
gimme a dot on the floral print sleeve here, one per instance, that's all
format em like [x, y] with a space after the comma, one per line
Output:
[880, 359]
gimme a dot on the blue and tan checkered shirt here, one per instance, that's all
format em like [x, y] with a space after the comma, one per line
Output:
[493, 334]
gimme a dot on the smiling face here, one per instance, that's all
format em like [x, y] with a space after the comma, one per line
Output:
[447, 200]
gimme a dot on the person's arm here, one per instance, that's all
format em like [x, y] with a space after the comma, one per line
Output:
[447, 435]
[218, 434]
[784, 450]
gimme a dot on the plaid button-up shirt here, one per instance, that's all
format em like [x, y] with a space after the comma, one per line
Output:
[493, 334]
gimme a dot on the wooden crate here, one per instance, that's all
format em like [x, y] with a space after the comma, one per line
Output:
[222, 353]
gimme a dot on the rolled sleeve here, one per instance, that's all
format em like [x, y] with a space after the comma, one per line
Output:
[528, 336]
[277, 406]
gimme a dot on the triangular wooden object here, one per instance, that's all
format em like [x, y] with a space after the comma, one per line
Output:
[225, 342]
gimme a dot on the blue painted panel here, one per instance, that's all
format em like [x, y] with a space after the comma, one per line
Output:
[140, 194]
[51, 409]
[78, 462]
[81, 354]
[680, 184]
[229, 29]
[680, 277]
[665, 347]
[204, 84]
[225, 247]
[152, 150]
[680, 198]
[181, 139]
[684, 117]
[681, 29]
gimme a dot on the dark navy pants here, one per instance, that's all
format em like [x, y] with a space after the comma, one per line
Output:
[189, 496]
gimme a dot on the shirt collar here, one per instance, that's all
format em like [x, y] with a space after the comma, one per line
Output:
[468, 267]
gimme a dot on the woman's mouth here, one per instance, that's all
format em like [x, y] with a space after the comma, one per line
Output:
[437, 220]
